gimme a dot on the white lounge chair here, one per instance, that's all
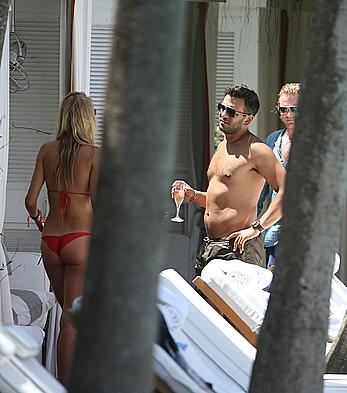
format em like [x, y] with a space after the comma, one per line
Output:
[176, 311]
[236, 291]
[20, 372]
[215, 341]
[225, 352]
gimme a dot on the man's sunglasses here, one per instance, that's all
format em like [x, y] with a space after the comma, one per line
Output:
[230, 111]
[283, 110]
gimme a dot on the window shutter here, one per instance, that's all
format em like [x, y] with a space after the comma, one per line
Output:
[225, 65]
[184, 153]
[35, 108]
[22, 240]
[101, 49]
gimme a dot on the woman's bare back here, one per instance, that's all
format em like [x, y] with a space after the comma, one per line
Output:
[70, 209]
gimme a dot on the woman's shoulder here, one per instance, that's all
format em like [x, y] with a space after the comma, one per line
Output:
[89, 152]
[89, 149]
[48, 147]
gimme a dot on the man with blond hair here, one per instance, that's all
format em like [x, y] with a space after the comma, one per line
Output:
[280, 142]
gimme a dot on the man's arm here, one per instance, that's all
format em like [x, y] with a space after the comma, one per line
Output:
[271, 169]
[263, 198]
[266, 192]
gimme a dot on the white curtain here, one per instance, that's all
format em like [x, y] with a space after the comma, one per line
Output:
[5, 299]
[298, 32]
[81, 42]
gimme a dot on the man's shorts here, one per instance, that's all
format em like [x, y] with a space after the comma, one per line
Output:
[223, 249]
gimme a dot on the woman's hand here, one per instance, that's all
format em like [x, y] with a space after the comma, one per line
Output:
[40, 223]
[39, 220]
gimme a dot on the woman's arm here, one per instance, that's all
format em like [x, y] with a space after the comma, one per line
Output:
[94, 174]
[35, 187]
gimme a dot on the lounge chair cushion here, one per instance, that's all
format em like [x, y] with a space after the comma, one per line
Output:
[30, 307]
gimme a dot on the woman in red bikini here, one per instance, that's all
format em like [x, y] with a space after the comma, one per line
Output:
[69, 167]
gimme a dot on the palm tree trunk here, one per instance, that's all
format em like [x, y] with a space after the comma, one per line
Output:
[118, 319]
[291, 349]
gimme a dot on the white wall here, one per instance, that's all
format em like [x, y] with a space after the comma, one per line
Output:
[104, 12]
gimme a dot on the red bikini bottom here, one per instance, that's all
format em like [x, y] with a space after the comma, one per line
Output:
[57, 243]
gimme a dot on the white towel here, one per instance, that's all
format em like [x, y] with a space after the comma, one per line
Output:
[240, 273]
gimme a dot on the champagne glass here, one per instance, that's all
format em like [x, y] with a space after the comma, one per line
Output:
[178, 195]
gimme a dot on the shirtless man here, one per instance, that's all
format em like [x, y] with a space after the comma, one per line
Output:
[236, 175]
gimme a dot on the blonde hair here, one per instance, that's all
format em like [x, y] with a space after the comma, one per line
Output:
[76, 127]
[289, 89]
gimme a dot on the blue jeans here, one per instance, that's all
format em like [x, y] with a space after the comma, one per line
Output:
[270, 254]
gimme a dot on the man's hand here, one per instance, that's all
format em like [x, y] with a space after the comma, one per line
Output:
[241, 237]
[189, 192]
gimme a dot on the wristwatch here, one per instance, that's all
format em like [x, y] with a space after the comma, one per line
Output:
[256, 225]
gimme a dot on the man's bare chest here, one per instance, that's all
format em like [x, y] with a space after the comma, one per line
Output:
[226, 165]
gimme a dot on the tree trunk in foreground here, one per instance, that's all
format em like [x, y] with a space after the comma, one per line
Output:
[4, 8]
[291, 349]
[118, 319]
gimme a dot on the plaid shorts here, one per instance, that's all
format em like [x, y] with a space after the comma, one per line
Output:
[221, 248]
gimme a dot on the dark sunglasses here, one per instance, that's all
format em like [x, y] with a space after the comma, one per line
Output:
[230, 111]
[283, 110]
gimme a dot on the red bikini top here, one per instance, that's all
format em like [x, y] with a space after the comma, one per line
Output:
[65, 201]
